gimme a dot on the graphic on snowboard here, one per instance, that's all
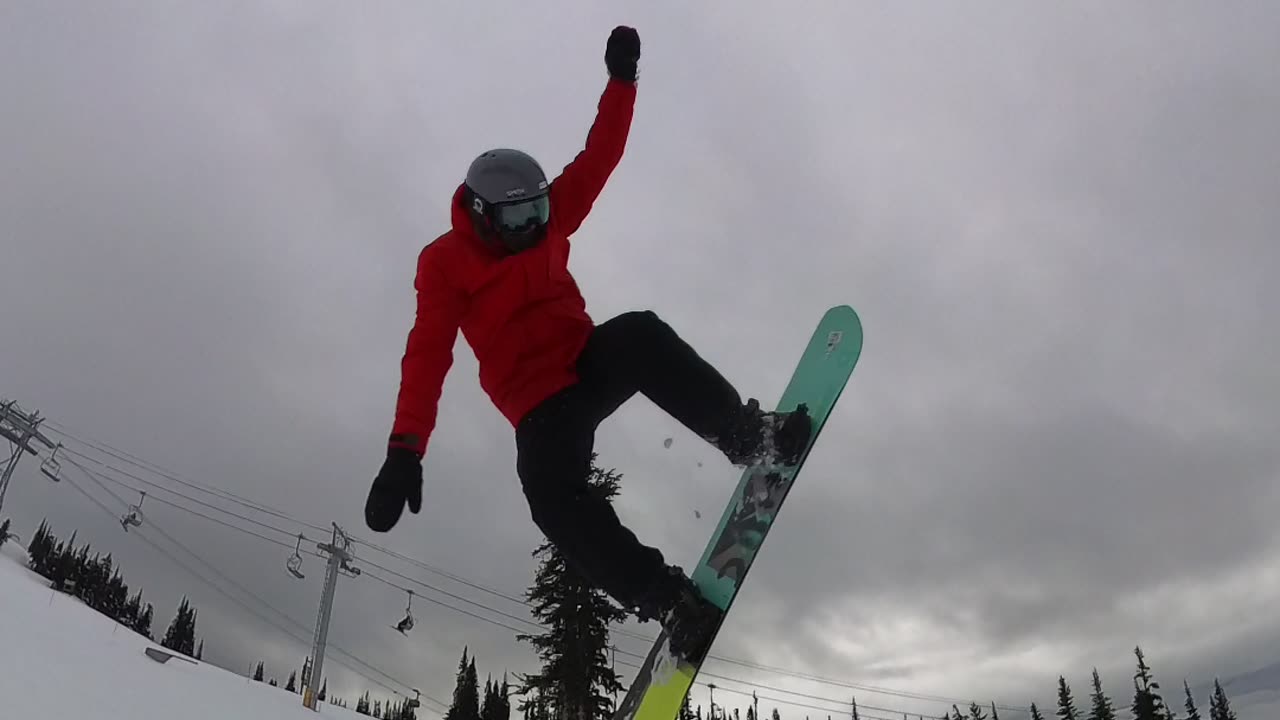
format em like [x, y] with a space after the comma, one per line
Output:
[824, 369]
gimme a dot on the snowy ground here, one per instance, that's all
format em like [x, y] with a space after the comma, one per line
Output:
[60, 659]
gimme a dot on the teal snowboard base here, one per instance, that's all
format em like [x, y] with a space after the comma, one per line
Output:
[828, 360]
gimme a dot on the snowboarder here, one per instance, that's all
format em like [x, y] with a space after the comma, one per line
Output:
[500, 275]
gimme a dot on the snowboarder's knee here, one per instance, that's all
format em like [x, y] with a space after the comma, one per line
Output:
[555, 512]
[644, 323]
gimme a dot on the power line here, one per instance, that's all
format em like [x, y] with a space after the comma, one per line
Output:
[151, 467]
[221, 590]
[162, 472]
[179, 506]
[438, 571]
[498, 623]
[468, 613]
[455, 597]
[841, 711]
[287, 545]
[312, 553]
[857, 686]
[160, 486]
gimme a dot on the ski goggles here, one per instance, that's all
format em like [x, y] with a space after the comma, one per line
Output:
[522, 215]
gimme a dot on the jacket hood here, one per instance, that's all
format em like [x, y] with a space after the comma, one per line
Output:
[459, 213]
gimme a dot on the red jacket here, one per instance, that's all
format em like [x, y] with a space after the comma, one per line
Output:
[523, 314]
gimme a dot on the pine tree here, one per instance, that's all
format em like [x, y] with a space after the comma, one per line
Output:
[576, 680]
[38, 550]
[975, 712]
[362, 705]
[955, 714]
[686, 712]
[1219, 706]
[994, 715]
[143, 625]
[1066, 705]
[181, 635]
[775, 715]
[1147, 703]
[1193, 713]
[292, 684]
[496, 705]
[324, 690]
[1035, 713]
[487, 699]
[1102, 708]
[5, 535]
[259, 672]
[200, 650]
[473, 685]
[504, 699]
[466, 700]
[117, 596]
[534, 706]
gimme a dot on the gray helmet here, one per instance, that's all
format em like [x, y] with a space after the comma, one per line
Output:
[507, 195]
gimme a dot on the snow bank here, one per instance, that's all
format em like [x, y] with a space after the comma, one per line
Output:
[62, 659]
[15, 552]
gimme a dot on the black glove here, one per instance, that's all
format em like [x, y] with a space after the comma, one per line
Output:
[623, 53]
[398, 482]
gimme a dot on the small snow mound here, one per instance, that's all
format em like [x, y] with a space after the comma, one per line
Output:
[16, 553]
[103, 670]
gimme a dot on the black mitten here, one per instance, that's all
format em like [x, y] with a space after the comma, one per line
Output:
[398, 483]
[622, 54]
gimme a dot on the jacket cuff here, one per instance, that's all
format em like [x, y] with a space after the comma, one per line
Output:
[408, 441]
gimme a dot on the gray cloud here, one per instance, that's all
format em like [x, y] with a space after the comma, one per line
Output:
[1056, 226]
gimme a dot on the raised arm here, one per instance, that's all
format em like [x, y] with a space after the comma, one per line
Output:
[428, 355]
[580, 183]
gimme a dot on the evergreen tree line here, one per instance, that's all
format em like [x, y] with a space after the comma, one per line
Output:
[1147, 702]
[95, 580]
[297, 683]
[469, 704]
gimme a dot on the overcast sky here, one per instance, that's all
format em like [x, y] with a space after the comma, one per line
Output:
[1057, 223]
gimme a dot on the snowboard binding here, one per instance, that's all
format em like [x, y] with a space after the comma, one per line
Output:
[689, 620]
[768, 438]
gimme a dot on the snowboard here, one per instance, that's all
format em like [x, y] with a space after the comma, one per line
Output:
[825, 366]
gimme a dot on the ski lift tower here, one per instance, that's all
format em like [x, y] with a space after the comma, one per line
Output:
[19, 428]
[339, 563]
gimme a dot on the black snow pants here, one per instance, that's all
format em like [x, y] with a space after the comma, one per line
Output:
[633, 352]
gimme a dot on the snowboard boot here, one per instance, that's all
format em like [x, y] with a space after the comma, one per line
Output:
[767, 438]
[689, 619]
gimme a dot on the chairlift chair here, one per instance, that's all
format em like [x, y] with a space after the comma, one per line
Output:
[414, 702]
[405, 625]
[51, 467]
[134, 516]
[294, 563]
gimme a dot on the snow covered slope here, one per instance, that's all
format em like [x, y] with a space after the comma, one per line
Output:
[61, 659]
